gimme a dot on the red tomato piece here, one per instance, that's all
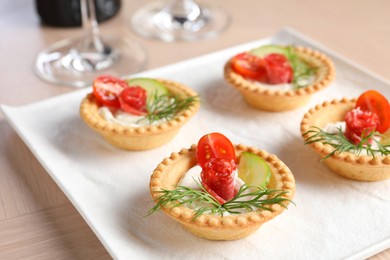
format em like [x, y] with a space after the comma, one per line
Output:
[249, 66]
[373, 101]
[360, 124]
[217, 178]
[214, 145]
[106, 90]
[133, 100]
[278, 69]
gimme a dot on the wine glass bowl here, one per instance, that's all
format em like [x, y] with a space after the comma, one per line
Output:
[176, 20]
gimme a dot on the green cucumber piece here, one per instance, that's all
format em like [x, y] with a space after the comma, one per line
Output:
[263, 51]
[253, 170]
[152, 86]
[385, 140]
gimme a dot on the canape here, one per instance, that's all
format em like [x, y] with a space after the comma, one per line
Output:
[201, 188]
[279, 78]
[140, 113]
[352, 136]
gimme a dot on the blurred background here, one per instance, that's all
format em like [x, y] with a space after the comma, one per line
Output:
[347, 27]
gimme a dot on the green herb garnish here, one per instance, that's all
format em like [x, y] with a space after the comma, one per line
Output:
[248, 198]
[166, 106]
[303, 73]
[342, 144]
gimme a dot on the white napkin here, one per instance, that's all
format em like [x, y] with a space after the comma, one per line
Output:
[333, 218]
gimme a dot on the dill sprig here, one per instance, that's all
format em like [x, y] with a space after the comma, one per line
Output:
[302, 71]
[166, 106]
[248, 198]
[341, 144]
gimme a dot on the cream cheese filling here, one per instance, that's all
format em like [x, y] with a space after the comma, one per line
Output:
[125, 119]
[286, 86]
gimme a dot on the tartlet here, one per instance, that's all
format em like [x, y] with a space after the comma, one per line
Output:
[142, 137]
[215, 227]
[276, 100]
[357, 167]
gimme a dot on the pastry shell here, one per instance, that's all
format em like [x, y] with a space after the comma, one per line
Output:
[143, 137]
[215, 227]
[349, 165]
[268, 99]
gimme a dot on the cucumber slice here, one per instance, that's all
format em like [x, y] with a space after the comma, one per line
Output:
[385, 140]
[263, 51]
[152, 86]
[254, 170]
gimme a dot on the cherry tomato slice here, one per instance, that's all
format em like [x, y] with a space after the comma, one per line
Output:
[375, 102]
[106, 90]
[278, 69]
[133, 100]
[214, 145]
[249, 66]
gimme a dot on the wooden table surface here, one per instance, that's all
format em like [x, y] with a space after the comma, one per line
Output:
[36, 219]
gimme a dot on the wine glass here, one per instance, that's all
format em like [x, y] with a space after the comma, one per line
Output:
[78, 61]
[179, 20]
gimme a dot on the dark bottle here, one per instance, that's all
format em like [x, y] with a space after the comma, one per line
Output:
[67, 13]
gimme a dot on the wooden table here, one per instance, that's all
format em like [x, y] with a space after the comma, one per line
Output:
[36, 219]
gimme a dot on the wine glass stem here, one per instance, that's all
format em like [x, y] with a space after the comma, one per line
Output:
[92, 40]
